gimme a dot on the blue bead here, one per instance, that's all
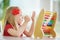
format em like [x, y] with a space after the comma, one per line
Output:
[49, 24]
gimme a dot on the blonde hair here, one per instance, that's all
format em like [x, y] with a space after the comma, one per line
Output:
[10, 17]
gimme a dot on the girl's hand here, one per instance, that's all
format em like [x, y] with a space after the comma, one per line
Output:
[27, 19]
[33, 15]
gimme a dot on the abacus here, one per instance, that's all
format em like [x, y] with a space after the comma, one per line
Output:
[45, 24]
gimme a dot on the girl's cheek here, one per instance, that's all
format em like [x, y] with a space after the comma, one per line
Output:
[19, 21]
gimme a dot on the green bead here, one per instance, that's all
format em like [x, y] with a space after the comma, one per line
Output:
[52, 21]
[45, 20]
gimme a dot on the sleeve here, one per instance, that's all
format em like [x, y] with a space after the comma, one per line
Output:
[7, 27]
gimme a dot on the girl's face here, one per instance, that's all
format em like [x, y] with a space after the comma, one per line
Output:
[19, 18]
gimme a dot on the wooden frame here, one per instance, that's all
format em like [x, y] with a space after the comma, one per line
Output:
[40, 20]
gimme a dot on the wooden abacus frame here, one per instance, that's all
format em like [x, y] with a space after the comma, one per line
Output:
[38, 31]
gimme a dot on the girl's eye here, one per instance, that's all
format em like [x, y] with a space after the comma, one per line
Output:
[21, 17]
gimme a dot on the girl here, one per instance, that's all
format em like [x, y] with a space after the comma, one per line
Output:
[12, 23]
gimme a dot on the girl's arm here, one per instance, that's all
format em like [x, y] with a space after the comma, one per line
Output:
[28, 34]
[19, 30]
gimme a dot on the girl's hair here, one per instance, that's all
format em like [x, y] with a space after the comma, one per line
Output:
[9, 17]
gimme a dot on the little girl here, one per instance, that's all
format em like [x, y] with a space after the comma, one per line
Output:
[13, 20]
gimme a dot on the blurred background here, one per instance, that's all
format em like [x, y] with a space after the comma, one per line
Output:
[28, 6]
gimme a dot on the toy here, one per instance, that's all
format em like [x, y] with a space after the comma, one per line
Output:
[45, 24]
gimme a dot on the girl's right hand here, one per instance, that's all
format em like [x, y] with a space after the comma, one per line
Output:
[33, 16]
[26, 18]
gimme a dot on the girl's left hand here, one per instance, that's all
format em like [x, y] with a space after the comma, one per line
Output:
[33, 15]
